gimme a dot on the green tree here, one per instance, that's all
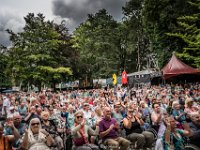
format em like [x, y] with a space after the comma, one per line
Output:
[4, 79]
[98, 42]
[137, 40]
[190, 34]
[160, 17]
[35, 51]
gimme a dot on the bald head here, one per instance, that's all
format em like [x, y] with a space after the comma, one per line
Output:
[107, 112]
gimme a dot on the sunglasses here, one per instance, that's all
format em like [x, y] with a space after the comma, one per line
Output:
[33, 124]
[79, 117]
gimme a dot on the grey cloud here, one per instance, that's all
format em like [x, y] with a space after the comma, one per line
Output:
[9, 20]
[77, 10]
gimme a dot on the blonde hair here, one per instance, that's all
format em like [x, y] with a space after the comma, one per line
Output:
[79, 112]
[76, 113]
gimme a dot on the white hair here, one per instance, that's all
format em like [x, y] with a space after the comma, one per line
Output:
[41, 136]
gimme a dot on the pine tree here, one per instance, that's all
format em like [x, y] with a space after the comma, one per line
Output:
[190, 34]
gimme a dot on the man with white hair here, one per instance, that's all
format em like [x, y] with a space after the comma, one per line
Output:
[16, 125]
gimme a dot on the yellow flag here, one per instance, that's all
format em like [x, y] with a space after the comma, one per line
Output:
[114, 76]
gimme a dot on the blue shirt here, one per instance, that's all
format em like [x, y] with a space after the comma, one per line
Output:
[65, 115]
[21, 129]
[176, 113]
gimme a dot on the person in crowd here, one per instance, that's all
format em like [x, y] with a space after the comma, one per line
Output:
[98, 114]
[178, 113]
[22, 109]
[36, 138]
[12, 111]
[109, 132]
[70, 118]
[52, 129]
[32, 114]
[156, 116]
[17, 123]
[117, 113]
[133, 126]
[173, 137]
[80, 133]
[7, 140]
[6, 106]
[86, 111]
[145, 112]
[189, 106]
[195, 128]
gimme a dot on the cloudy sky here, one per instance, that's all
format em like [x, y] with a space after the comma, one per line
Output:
[73, 11]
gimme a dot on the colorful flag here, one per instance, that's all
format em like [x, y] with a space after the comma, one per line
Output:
[124, 77]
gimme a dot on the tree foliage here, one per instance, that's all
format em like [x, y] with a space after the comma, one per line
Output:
[137, 39]
[160, 17]
[34, 55]
[4, 80]
[190, 34]
[98, 41]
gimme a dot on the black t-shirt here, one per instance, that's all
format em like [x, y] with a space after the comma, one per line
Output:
[51, 128]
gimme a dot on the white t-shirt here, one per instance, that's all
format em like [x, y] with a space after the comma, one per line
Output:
[87, 115]
[6, 103]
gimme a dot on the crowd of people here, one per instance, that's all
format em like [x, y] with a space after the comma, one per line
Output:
[160, 117]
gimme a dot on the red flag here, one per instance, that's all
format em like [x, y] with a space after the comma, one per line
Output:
[124, 77]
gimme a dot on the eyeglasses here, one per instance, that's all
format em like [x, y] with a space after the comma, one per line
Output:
[79, 117]
[33, 124]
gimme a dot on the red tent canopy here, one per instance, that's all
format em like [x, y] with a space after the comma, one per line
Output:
[176, 67]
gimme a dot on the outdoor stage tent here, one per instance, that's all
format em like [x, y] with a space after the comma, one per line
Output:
[176, 67]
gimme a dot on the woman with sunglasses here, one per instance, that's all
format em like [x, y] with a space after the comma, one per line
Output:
[36, 138]
[132, 125]
[81, 132]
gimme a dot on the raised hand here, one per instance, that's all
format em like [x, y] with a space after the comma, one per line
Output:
[10, 124]
[26, 131]
[83, 122]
